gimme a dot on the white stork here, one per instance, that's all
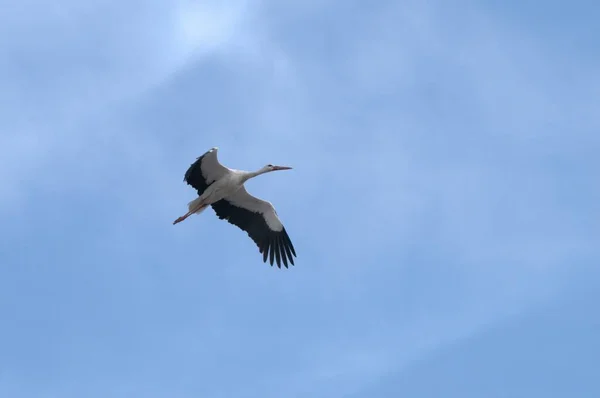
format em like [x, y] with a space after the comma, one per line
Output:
[223, 189]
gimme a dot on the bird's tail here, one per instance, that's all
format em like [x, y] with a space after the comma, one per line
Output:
[194, 203]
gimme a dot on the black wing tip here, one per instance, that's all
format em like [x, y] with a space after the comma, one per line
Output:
[190, 170]
[277, 249]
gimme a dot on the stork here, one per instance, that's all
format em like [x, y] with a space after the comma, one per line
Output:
[223, 189]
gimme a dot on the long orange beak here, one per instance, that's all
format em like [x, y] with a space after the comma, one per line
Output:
[281, 168]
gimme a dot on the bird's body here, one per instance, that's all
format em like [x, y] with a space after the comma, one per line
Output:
[223, 189]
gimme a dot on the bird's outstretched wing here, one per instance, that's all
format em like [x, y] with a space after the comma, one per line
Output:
[204, 171]
[259, 219]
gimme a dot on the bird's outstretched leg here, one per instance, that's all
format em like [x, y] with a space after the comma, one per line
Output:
[189, 213]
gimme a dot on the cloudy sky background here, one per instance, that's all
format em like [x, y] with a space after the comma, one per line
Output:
[444, 201]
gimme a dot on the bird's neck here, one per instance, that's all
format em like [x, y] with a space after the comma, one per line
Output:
[251, 174]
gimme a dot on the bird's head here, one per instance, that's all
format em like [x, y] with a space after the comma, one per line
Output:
[271, 167]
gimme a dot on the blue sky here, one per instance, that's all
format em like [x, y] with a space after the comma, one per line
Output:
[444, 201]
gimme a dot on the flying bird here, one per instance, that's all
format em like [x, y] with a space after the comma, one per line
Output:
[223, 189]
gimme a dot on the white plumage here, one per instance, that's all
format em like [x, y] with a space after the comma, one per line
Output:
[223, 189]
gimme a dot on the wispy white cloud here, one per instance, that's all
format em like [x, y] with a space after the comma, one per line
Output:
[204, 26]
[65, 72]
